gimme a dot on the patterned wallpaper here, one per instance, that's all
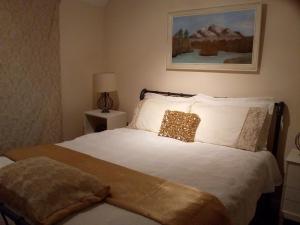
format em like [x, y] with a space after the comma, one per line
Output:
[30, 92]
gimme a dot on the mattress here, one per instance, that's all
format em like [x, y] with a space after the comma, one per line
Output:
[236, 177]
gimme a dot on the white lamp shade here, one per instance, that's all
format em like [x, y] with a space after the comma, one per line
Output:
[105, 82]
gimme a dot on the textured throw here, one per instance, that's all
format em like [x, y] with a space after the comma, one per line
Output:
[163, 201]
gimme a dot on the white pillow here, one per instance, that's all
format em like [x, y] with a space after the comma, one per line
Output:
[149, 95]
[169, 98]
[151, 112]
[219, 125]
[262, 102]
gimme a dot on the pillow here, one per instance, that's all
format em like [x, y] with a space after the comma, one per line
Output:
[149, 95]
[169, 98]
[230, 125]
[150, 113]
[46, 191]
[219, 125]
[252, 129]
[265, 102]
[262, 102]
[179, 125]
[136, 112]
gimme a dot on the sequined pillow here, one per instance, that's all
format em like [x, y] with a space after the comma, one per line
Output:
[179, 125]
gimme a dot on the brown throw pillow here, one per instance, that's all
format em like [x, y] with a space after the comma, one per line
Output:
[45, 191]
[179, 125]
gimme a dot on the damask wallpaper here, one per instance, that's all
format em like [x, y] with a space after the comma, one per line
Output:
[30, 92]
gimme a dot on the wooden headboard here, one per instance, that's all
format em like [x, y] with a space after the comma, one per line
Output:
[273, 139]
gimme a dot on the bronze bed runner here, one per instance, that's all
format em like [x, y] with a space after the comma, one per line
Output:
[163, 201]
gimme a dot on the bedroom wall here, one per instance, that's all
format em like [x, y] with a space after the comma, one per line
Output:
[81, 44]
[136, 45]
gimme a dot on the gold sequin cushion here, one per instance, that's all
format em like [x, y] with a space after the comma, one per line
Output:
[179, 125]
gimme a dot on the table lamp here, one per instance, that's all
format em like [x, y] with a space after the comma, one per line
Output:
[103, 84]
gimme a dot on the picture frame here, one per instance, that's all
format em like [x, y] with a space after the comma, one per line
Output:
[221, 39]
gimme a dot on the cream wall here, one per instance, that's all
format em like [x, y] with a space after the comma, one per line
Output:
[81, 44]
[136, 45]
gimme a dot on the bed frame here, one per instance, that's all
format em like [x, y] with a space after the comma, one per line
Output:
[267, 210]
[264, 201]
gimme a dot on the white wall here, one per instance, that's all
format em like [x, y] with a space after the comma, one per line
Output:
[81, 33]
[136, 47]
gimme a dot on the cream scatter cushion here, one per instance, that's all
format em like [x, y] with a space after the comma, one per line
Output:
[219, 125]
[151, 113]
[252, 129]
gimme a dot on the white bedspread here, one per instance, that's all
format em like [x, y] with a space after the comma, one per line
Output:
[236, 177]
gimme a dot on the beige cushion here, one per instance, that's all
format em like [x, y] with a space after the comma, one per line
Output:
[179, 125]
[252, 129]
[46, 191]
[149, 113]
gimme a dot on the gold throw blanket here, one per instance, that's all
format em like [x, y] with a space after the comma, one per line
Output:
[163, 201]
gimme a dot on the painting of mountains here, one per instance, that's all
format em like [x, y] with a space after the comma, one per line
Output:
[215, 38]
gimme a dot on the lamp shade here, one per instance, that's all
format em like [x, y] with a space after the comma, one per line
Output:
[105, 82]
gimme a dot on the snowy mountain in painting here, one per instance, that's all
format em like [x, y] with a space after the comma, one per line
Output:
[214, 32]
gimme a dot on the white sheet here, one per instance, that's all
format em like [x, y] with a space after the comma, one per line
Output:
[236, 177]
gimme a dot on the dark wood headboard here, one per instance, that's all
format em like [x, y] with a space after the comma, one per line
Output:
[273, 139]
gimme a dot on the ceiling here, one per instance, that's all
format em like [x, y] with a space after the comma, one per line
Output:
[96, 2]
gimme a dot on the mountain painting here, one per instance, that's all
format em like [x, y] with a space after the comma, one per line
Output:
[214, 38]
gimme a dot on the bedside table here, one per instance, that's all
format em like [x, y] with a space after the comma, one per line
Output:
[96, 121]
[291, 193]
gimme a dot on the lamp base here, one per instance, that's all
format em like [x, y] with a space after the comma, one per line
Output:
[105, 102]
[105, 111]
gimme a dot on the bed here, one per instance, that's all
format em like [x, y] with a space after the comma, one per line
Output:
[238, 178]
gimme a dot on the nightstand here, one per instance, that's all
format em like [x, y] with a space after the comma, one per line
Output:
[96, 121]
[291, 192]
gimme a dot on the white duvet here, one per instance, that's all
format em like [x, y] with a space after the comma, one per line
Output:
[236, 177]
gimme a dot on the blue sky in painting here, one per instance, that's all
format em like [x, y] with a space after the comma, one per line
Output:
[242, 21]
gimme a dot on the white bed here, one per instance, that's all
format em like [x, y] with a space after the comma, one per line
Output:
[236, 177]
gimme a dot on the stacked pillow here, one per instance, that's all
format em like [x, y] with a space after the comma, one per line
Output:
[149, 112]
[242, 123]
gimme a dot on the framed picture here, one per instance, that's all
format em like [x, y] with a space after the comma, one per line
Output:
[215, 39]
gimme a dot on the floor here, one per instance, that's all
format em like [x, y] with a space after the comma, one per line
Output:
[289, 222]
